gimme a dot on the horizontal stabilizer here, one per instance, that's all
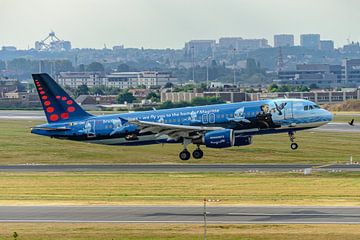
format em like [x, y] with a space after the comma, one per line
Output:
[51, 129]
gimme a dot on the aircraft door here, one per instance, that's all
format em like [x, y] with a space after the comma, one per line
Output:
[205, 118]
[288, 110]
[211, 117]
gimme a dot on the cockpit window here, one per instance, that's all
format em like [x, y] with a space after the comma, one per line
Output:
[310, 107]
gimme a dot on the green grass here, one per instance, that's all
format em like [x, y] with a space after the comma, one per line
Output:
[99, 231]
[180, 188]
[344, 118]
[19, 146]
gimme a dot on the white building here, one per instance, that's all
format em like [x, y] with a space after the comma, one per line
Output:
[283, 40]
[76, 79]
[122, 80]
[252, 44]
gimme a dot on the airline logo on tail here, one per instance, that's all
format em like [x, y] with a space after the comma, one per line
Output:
[57, 104]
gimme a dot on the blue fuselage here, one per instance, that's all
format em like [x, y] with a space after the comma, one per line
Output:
[245, 118]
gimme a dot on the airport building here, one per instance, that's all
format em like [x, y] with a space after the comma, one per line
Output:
[311, 41]
[351, 72]
[122, 80]
[229, 42]
[76, 79]
[353, 48]
[200, 47]
[327, 45]
[320, 97]
[283, 40]
[323, 75]
[252, 44]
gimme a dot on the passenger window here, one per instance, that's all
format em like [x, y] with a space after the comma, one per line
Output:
[311, 107]
[306, 107]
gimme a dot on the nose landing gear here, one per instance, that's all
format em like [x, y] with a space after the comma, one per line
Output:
[293, 144]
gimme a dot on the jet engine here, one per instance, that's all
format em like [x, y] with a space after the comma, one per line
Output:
[217, 139]
[241, 140]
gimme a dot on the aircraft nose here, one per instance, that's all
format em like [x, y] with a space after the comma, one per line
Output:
[329, 115]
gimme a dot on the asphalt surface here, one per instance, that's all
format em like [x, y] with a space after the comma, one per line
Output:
[179, 214]
[337, 127]
[22, 114]
[176, 168]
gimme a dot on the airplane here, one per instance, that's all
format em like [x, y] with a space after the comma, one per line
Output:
[212, 126]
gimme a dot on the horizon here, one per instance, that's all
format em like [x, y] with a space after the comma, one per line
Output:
[162, 24]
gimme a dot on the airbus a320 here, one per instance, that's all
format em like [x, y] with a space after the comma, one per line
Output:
[213, 126]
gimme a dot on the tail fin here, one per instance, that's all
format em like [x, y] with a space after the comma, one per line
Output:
[57, 104]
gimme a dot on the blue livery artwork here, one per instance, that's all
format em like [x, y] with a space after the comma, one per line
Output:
[214, 126]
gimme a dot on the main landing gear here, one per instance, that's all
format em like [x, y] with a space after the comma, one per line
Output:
[198, 153]
[185, 154]
[293, 144]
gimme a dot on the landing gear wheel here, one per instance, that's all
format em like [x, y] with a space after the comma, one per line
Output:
[198, 153]
[294, 146]
[184, 155]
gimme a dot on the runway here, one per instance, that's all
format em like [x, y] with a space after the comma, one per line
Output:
[22, 115]
[180, 214]
[176, 168]
[337, 127]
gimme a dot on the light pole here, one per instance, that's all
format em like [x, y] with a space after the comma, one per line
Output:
[193, 63]
[207, 72]
[234, 50]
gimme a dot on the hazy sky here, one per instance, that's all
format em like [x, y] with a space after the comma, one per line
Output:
[169, 23]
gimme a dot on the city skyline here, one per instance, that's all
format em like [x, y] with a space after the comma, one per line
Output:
[169, 24]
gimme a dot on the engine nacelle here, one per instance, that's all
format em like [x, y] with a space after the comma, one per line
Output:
[219, 139]
[242, 140]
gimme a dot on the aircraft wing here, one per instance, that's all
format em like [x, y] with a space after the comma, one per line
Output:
[171, 130]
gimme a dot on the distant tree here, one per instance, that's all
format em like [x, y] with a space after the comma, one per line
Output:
[125, 97]
[82, 90]
[2, 65]
[285, 88]
[273, 88]
[95, 67]
[153, 96]
[123, 68]
[167, 105]
[63, 66]
[169, 85]
[81, 68]
[313, 86]
[97, 90]
[302, 89]
[251, 66]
